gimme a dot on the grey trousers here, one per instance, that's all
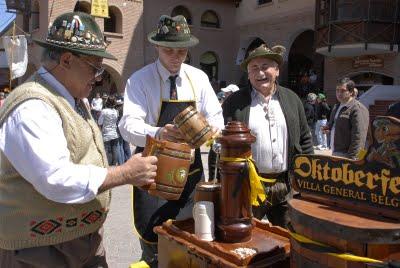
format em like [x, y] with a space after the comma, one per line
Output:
[84, 252]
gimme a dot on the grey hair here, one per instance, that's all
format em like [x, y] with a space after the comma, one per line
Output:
[49, 55]
[348, 83]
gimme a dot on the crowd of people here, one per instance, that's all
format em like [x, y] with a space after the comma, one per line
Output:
[344, 128]
[61, 156]
[107, 112]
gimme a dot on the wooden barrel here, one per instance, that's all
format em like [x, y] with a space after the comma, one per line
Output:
[347, 231]
[193, 126]
[172, 167]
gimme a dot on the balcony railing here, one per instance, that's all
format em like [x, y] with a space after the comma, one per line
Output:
[340, 22]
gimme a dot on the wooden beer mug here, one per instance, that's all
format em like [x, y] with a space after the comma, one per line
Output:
[172, 167]
[194, 127]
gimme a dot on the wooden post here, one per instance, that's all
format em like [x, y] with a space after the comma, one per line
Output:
[12, 58]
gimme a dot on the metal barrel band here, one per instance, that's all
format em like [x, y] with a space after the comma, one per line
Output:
[182, 120]
[331, 251]
[200, 135]
[176, 154]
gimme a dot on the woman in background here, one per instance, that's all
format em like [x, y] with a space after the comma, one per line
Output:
[108, 122]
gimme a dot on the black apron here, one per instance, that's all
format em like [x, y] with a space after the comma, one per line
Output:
[149, 210]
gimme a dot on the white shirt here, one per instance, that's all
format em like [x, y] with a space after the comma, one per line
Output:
[145, 89]
[267, 122]
[33, 140]
[108, 120]
[97, 104]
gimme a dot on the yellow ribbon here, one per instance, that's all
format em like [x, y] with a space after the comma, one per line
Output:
[361, 154]
[343, 256]
[256, 187]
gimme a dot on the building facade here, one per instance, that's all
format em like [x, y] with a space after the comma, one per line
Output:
[330, 39]
[127, 28]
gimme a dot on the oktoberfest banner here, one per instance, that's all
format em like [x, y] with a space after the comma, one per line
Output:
[99, 8]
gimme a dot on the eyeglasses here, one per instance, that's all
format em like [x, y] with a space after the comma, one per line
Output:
[98, 70]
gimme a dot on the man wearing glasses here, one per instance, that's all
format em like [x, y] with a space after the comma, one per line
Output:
[276, 117]
[54, 178]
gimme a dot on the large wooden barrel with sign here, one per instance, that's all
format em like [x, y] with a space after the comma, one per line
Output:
[342, 231]
[347, 214]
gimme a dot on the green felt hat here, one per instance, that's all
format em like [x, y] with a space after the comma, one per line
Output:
[275, 53]
[77, 32]
[172, 32]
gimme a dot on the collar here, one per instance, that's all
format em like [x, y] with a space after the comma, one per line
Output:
[54, 83]
[348, 104]
[260, 97]
[164, 73]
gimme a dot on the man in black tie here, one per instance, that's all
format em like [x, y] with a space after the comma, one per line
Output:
[154, 95]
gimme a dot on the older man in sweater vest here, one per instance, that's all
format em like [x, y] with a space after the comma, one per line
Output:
[54, 177]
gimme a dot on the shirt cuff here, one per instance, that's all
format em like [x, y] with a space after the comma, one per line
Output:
[152, 131]
[96, 178]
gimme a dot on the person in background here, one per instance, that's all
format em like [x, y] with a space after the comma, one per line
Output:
[276, 117]
[349, 121]
[394, 110]
[309, 108]
[108, 122]
[2, 98]
[154, 95]
[221, 97]
[125, 150]
[55, 180]
[96, 106]
[322, 110]
[356, 93]
[229, 89]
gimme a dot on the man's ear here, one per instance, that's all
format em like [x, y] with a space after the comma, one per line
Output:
[66, 60]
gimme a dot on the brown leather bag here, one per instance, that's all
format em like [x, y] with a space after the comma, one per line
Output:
[172, 167]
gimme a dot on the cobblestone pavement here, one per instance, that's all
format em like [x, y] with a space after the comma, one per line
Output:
[120, 240]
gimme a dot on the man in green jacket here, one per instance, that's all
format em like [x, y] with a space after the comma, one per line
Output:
[276, 117]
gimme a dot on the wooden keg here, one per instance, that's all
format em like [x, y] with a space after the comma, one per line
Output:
[347, 231]
[193, 126]
[172, 167]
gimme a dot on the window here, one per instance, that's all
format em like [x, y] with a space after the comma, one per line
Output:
[181, 10]
[113, 24]
[210, 19]
[35, 16]
[323, 18]
[262, 2]
[350, 9]
[209, 64]
[82, 6]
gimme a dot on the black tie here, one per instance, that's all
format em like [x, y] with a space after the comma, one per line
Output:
[173, 94]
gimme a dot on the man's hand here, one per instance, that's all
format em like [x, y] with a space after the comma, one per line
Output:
[137, 171]
[171, 133]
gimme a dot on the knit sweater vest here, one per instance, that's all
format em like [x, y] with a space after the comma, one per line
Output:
[27, 218]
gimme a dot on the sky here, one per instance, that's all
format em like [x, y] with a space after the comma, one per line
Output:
[5, 17]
